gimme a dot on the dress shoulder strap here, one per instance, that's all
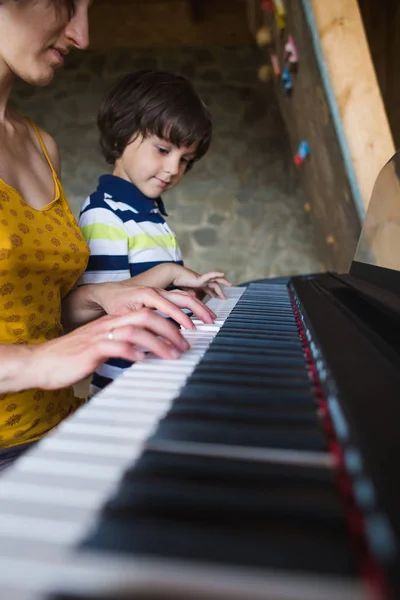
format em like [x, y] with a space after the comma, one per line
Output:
[43, 146]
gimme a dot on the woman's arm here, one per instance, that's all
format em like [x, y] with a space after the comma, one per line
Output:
[14, 375]
[72, 357]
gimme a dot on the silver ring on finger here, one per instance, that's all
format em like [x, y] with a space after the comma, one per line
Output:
[110, 334]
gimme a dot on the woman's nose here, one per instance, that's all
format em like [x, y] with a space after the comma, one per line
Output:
[77, 29]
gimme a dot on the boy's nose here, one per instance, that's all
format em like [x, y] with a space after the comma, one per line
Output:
[172, 167]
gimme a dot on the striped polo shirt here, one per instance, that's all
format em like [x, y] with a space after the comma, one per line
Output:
[127, 235]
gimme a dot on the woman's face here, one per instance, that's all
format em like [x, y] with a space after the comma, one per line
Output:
[35, 36]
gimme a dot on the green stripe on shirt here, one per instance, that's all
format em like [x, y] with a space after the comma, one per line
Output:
[100, 231]
[143, 241]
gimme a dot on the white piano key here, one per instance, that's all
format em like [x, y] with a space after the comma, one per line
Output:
[135, 577]
[72, 445]
[31, 468]
[79, 516]
[114, 432]
[41, 493]
[133, 417]
[165, 377]
[125, 392]
[205, 327]
[146, 383]
[48, 530]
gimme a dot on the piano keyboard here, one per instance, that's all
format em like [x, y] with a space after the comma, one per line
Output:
[206, 477]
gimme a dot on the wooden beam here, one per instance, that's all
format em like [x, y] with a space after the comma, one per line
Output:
[356, 89]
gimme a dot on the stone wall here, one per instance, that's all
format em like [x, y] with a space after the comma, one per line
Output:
[118, 24]
[241, 209]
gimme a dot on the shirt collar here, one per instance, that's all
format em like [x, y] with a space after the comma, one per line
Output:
[125, 191]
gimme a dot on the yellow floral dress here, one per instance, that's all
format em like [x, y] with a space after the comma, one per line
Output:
[42, 255]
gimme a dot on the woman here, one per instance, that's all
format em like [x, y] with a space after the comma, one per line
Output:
[42, 253]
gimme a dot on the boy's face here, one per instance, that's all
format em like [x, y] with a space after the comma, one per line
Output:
[153, 164]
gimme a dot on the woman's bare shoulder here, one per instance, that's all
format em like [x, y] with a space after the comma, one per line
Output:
[52, 149]
[50, 143]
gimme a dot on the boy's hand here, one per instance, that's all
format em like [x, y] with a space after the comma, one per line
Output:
[210, 282]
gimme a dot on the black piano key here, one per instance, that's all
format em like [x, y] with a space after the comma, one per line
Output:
[274, 359]
[258, 381]
[273, 333]
[220, 470]
[273, 324]
[237, 394]
[277, 320]
[77, 596]
[243, 416]
[248, 370]
[276, 317]
[256, 339]
[171, 499]
[216, 354]
[291, 435]
[137, 592]
[272, 543]
[238, 485]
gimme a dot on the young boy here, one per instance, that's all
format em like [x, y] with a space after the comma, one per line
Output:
[153, 128]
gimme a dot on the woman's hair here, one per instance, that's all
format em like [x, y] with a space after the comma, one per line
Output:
[69, 5]
[153, 103]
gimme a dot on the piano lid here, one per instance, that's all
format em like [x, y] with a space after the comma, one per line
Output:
[377, 258]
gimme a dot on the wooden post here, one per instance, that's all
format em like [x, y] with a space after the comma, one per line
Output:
[356, 88]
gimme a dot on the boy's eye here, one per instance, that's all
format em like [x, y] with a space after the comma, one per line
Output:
[162, 150]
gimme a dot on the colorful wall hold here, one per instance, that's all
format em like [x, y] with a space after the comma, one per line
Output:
[265, 73]
[275, 64]
[267, 6]
[280, 14]
[264, 36]
[291, 54]
[287, 80]
[302, 153]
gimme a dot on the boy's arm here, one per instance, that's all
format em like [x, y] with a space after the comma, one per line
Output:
[160, 276]
[167, 274]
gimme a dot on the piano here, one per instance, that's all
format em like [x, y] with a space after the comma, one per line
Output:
[263, 464]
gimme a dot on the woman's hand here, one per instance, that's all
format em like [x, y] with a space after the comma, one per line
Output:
[210, 282]
[121, 298]
[89, 302]
[71, 358]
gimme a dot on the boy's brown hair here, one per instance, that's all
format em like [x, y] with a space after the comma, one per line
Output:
[149, 103]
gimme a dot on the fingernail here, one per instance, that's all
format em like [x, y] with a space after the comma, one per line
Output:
[185, 345]
[175, 354]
